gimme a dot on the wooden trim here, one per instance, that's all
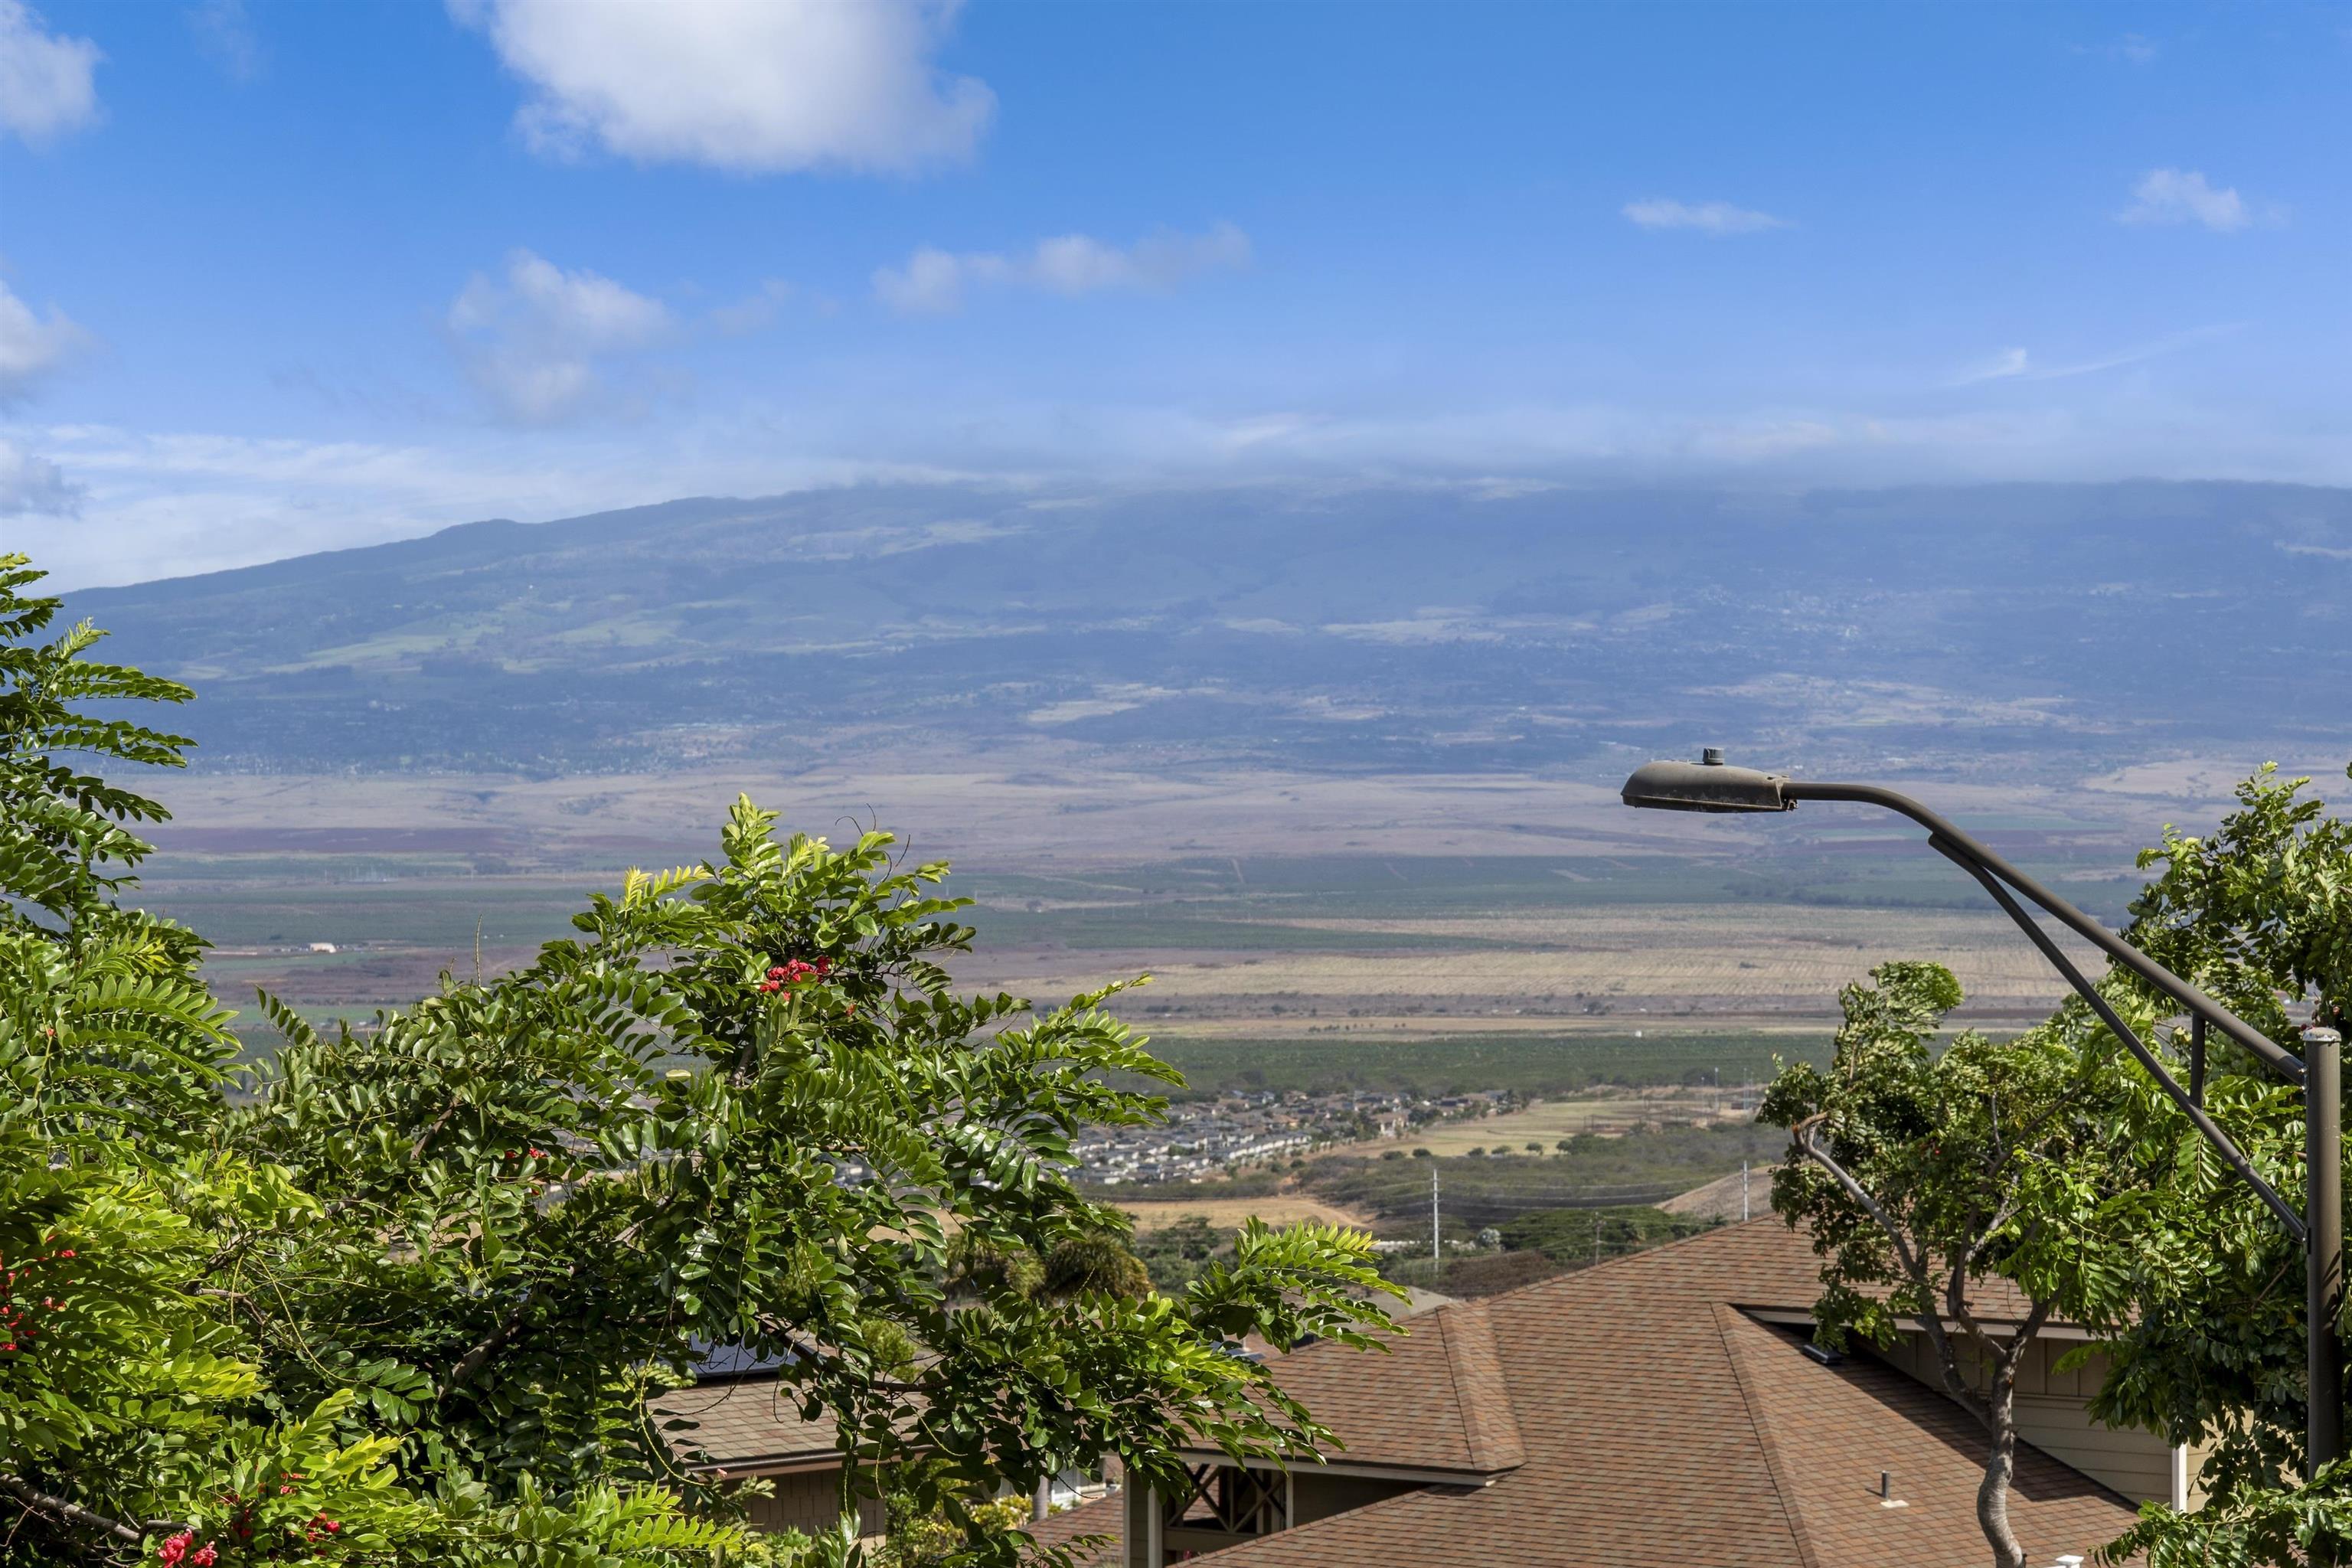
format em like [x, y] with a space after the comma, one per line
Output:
[1790, 1317]
[1427, 1475]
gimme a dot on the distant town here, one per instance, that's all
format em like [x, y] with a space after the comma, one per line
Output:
[1208, 1138]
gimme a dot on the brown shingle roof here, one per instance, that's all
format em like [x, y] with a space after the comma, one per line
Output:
[1103, 1517]
[1657, 1423]
[1826, 1433]
[1433, 1402]
[744, 1425]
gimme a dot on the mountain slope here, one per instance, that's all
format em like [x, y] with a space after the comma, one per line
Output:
[2046, 628]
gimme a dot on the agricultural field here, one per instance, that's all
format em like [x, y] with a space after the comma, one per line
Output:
[1427, 934]
[1547, 1123]
[1424, 934]
[1638, 1168]
[1563, 1060]
[1228, 1214]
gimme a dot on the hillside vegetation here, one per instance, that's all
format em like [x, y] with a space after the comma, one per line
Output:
[1348, 628]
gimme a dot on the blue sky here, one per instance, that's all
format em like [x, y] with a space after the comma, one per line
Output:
[281, 276]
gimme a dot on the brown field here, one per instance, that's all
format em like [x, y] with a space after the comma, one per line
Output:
[1625, 965]
[1033, 806]
[520, 852]
[1229, 1214]
[1552, 1119]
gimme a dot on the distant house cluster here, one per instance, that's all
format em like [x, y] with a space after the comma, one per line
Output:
[1210, 1137]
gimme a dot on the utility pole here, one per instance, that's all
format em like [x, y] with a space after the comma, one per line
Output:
[1743, 1190]
[1436, 1243]
[2322, 1090]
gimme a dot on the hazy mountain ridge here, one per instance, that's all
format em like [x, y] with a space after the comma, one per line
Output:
[2062, 626]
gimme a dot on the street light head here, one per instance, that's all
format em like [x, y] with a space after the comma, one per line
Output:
[1705, 786]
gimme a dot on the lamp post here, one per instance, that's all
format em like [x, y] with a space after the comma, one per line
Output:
[1710, 785]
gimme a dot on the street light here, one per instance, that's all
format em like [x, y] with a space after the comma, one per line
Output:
[1710, 785]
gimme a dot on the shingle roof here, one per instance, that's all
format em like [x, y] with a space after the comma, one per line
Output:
[1102, 1517]
[1433, 1401]
[1658, 1422]
[741, 1425]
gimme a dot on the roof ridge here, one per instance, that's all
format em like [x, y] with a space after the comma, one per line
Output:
[1726, 1318]
[1559, 1281]
[1482, 1396]
[1447, 1338]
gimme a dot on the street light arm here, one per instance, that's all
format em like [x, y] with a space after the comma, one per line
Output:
[1969, 853]
[2234, 1157]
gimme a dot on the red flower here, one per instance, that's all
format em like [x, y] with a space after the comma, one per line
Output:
[175, 1549]
[204, 1557]
[824, 966]
[777, 973]
[539, 1153]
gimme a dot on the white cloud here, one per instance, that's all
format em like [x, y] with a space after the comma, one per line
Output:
[163, 504]
[45, 88]
[536, 342]
[31, 485]
[1714, 219]
[933, 281]
[754, 313]
[930, 282]
[2184, 196]
[224, 33]
[31, 347]
[2016, 364]
[2001, 366]
[757, 86]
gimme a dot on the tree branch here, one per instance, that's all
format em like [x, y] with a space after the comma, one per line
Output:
[233, 1248]
[1802, 1136]
[478, 1355]
[74, 1513]
[416, 1150]
[1914, 1267]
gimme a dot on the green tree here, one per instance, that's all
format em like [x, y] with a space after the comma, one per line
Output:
[2054, 1166]
[2209, 1347]
[407, 1302]
[1921, 1176]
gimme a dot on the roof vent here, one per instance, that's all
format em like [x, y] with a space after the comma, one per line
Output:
[1821, 1353]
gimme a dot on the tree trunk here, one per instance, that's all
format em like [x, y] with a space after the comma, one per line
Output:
[2000, 1465]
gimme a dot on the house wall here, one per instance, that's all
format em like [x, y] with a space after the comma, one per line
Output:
[2053, 1414]
[810, 1502]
